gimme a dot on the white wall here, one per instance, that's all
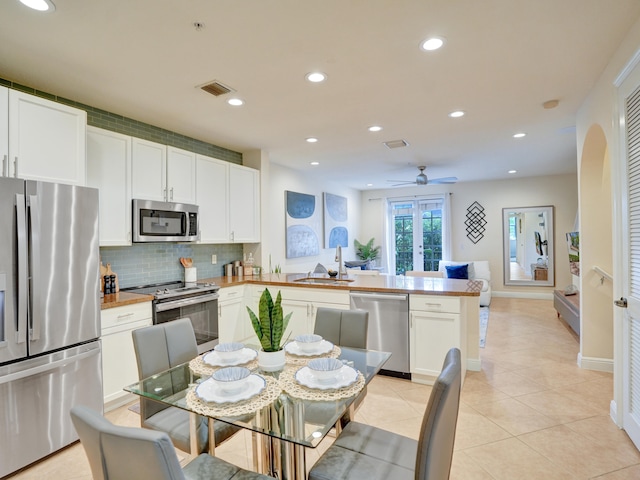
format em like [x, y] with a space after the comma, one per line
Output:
[561, 191]
[281, 179]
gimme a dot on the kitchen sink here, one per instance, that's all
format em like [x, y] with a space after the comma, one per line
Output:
[324, 281]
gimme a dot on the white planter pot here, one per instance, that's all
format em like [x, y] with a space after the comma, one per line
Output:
[271, 361]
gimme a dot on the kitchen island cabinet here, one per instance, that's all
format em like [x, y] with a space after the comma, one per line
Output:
[42, 140]
[444, 313]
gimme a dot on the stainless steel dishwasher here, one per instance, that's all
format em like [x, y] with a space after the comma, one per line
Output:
[388, 327]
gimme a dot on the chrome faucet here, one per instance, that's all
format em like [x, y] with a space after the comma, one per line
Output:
[339, 260]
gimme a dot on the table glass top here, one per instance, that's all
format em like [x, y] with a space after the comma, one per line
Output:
[279, 411]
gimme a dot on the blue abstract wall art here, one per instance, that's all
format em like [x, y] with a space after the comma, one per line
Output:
[302, 225]
[335, 221]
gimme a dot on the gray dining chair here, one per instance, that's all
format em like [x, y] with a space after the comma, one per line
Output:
[124, 453]
[159, 348]
[347, 328]
[366, 452]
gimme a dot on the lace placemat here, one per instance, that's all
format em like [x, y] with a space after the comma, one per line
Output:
[198, 365]
[292, 387]
[303, 360]
[263, 399]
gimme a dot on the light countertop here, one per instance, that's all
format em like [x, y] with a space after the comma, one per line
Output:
[370, 283]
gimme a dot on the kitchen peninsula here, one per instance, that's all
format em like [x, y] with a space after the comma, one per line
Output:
[443, 313]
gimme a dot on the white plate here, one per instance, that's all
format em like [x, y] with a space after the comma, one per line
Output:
[344, 377]
[324, 347]
[210, 391]
[244, 356]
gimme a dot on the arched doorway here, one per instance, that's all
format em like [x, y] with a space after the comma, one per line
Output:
[596, 250]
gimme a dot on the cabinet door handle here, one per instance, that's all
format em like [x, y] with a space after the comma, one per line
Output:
[164, 195]
[15, 167]
[5, 167]
[125, 315]
[171, 194]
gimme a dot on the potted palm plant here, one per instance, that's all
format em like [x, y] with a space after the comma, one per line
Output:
[366, 251]
[270, 325]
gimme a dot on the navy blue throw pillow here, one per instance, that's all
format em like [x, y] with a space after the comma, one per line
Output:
[458, 271]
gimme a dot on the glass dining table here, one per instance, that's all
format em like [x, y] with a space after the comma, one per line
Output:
[289, 414]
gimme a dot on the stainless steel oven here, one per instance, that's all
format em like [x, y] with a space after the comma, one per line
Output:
[198, 302]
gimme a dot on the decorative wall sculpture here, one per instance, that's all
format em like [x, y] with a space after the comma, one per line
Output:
[302, 225]
[475, 222]
[335, 221]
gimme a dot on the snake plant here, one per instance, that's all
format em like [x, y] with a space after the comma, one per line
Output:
[270, 324]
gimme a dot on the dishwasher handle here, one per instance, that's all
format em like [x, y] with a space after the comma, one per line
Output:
[381, 296]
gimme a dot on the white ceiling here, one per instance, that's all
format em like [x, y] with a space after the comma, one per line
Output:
[502, 59]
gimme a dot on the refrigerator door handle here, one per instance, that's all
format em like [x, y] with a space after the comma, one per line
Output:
[34, 248]
[23, 269]
[11, 377]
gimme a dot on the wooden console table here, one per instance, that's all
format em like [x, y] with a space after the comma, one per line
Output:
[568, 306]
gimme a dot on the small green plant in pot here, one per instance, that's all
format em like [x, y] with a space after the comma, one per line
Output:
[366, 251]
[270, 325]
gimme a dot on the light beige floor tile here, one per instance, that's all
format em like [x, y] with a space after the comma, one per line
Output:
[513, 384]
[465, 468]
[603, 431]
[630, 473]
[515, 417]
[475, 429]
[559, 408]
[511, 459]
[579, 454]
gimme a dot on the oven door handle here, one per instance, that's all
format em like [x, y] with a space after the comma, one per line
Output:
[164, 306]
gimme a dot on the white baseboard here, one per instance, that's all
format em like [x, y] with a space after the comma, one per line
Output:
[474, 364]
[597, 364]
[531, 295]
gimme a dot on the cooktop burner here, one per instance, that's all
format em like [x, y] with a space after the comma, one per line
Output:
[174, 289]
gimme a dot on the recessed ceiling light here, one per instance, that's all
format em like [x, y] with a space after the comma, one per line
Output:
[236, 102]
[40, 5]
[316, 77]
[312, 139]
[315, 163]
[457, 114]
[512, 171]
[519, 135]
[375, 128]
[433, 43]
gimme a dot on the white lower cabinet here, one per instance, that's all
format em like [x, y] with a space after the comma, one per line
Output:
[436, 325]
[119, 366]
[234, 324]
[304, 303]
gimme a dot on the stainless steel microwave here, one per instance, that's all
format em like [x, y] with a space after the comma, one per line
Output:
[155, 221]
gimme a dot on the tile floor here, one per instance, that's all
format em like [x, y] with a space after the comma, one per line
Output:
[531, 413]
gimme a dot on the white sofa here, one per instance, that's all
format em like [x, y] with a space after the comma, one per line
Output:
[478, 270]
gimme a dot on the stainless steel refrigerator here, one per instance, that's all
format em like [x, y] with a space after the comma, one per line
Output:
[49, 316]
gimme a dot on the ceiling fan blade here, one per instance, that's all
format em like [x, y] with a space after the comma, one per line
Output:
[443, 180]
[402, 183]
[405, 182]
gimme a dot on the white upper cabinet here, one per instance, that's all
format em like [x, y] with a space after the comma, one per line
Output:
[181, 176]
[228, 196]
[162, 173]
[4, 131]
[148, 170]
[212, 196]
[46, 140]
[244, 204]
[109, 170]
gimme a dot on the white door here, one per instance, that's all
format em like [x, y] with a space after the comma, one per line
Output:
[629, 107]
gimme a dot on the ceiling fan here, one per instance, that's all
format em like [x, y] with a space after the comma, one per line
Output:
[422, 179]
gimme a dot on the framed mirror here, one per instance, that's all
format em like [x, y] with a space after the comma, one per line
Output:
[528, 250]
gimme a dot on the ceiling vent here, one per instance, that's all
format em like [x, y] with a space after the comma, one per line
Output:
[396, 144]
[216, 88]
